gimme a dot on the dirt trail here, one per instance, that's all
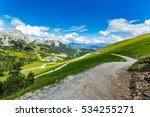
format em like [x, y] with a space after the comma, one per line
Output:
[105, 81]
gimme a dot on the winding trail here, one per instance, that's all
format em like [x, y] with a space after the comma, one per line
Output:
[105, 81]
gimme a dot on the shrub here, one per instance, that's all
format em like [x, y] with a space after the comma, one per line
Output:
[30, 79]
[15, 81]
[1, 88]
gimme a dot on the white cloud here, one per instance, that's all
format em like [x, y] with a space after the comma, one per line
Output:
[16, 22]
[35, 31]
[42, 32]
[81, 28]
[74, 37]
[57, 30]
[110, 39]
[119, 29]
[1, 25]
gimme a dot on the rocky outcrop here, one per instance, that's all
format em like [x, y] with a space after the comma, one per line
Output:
[55, 43]
[7, 38]
[140, 86]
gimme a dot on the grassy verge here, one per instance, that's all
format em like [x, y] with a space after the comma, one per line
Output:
[75, 67]
[46, 69]
[38, 71]
[32, 65]
[142, 65]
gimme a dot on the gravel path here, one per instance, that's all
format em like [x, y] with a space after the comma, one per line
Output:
[105, 81]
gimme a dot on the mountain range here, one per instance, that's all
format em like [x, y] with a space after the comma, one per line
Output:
[17, 40]
[89, 46]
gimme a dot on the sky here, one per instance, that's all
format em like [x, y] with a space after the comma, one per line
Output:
[77, 21]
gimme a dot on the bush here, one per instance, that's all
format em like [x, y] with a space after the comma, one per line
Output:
[15, 81]
[1, 88]
[142, 65]
[30, 79]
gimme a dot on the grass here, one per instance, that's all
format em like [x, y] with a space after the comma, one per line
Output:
[3, 78]
[136, 47]
[32, 65]
[142, 65]
[46, 69]
[37, 71]
[75, 67]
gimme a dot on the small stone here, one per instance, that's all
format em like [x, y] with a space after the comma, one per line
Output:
[118, 84]
[139, 93]
[146, 93]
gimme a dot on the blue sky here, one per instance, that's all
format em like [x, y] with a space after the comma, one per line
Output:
[77, 19]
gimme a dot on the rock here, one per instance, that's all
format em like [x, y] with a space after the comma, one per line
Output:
[146, 93]
[147, 78]
[8, 37]
[139, 93]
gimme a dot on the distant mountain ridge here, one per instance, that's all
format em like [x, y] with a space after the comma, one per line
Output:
[56, 43]
[17, 40]
[88, 46]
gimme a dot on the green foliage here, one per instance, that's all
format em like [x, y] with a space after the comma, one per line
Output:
[30, 79]
[15, 81]
[142, 65]
[1, 88]
[75, 67]
[1, 70]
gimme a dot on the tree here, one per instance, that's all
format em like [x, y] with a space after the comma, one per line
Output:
[31, 77]
[15, 80]
[1, 88]
[1, 69]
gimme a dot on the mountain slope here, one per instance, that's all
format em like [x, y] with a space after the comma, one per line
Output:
[136, 47]
[16, 40]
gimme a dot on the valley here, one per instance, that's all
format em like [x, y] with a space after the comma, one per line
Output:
[78, 72]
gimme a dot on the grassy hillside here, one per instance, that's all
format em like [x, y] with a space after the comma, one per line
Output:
[136, 47]
[80, 65]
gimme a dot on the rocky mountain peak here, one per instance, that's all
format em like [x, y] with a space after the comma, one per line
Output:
[56, 43]
[12, 35]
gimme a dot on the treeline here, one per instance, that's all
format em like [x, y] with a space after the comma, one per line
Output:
[7, 62]
[15, 81]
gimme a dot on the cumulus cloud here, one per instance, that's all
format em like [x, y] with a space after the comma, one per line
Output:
[74, 37]
[1, 25]
[16, 22]
[57, 30]
[81, 28]
[43, 32]
[35, 31]
[119, 29]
